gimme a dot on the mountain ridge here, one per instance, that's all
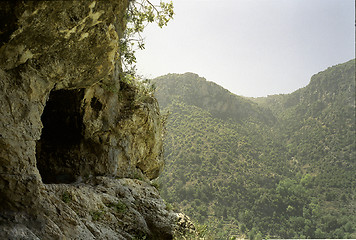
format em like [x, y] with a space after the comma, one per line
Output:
[288, 160]
[190, 85]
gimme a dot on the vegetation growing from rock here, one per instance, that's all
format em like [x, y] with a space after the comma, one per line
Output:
[138, 15]
[280, 167]
[75, 130]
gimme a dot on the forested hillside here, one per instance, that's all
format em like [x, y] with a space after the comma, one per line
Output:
[281, 166]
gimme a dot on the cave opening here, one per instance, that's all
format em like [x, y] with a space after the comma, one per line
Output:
[58, 150]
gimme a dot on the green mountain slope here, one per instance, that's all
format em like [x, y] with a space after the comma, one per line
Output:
[318, 123]
[193, 90]
[281, 166]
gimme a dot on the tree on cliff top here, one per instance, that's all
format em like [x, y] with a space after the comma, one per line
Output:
[139, 14]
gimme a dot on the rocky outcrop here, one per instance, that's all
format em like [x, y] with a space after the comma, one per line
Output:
[102, 208]
[73, 133]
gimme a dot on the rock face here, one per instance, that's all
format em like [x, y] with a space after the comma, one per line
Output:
[70, 126]
[102, 208]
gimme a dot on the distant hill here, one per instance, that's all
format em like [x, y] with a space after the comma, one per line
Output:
[193, 90]
[281, 166]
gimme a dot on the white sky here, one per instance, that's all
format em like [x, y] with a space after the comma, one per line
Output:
[251, 47]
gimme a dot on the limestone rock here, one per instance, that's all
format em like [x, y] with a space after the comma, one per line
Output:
[69, 127]
[103, 208]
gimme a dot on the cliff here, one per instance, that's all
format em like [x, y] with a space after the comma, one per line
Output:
[78, 143]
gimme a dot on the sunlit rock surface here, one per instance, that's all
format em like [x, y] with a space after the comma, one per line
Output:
[70, 128]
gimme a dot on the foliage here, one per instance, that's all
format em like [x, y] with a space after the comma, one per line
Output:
[278, 167]
[139, 14]
[97, 215]
[156, 185]
[140, 236]
[119, 206]
[144, 90]
[169, 206]
[66, 197]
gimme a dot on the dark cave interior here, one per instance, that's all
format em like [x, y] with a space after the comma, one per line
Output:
[58, 150]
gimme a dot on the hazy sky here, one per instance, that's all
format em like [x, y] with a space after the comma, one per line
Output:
[251, 47]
